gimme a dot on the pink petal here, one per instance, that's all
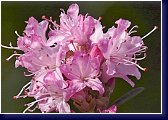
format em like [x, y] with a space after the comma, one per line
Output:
[125, 78]
[104, 76]
[63, 107]
[123, 23]
[95, 84]
[55, 39]
[98, 34]
[73, 11]
[95, 52]
[111, 70]
[88, 26]
[74, 87]
[129, 70]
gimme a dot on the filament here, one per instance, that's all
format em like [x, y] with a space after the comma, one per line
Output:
[32, 103]
[23, 88]
[13, 56]
[130, 31]
[17, 33]
[144, 69]
[150, 32]
[27, 75]
[11, 47]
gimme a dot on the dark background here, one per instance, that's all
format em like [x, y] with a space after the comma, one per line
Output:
[144, 14]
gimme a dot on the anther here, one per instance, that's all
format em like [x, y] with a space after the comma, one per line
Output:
[145, 69]
[103, 27]
[25, 92]
[15, 97]
[43, 17]
[17, 33]
[23, 88]
[51, 18]
[100, 18]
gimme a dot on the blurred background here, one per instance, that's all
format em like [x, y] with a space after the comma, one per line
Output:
[144, 14]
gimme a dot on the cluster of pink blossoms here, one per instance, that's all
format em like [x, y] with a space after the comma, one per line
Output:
[76, 61]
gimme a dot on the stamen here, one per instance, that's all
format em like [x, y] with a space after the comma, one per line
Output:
[103, 27]
[132, 32]
[150, 32]
[51, 21]
[31, 110]
[73, 45]
[28, 108]
[32, 103]
[16, 97]
[132, 29]
[43, 17]
[15, 54]
[27, 75]
[50, 28]
[100, 18]
[50, 18]
[28, 104]
[142, 57]
[23, 88]
[142, 50]
[17, 33]
[86, 15]
[144, 69]
[62, 10]
[11, 47]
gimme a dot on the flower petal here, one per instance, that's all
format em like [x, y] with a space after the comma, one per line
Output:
[74, 87]
[129, 70]
[63, 107]
[95, 84]
[110, 68]
[98, 34]
[73, 11]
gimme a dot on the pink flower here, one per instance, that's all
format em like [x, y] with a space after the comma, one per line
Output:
[73, 27]
[35, 28]
[49, 90]
[55, 86]
[34, 35]
[76, 61]
[46, 58]
[120, 51]
[98, 32]
[82, 72]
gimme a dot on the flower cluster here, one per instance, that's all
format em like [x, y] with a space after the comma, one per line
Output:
[76, 61]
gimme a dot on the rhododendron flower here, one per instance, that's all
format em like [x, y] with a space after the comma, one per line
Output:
[83, 71]
[73, 27]
[120, 51]
[34, 35]
[74, 60]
